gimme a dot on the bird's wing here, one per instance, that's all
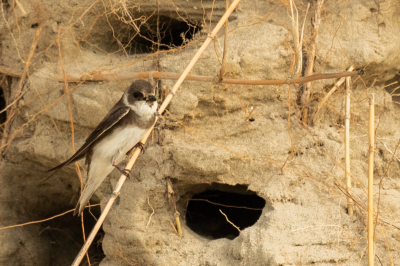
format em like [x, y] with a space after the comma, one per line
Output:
[115, 115]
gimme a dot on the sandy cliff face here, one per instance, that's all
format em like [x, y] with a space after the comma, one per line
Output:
[206, 141]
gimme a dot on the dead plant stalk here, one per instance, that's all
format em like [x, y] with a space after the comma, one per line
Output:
[222, 72]
[309, 67]
[297, 40]
[347, 147]
[174, 76]
[332, 90]
[371, 133]
[137, 151]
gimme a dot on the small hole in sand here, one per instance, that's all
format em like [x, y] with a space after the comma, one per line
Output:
[203, 214]
[162, 33]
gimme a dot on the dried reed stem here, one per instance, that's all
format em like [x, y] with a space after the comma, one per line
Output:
[44, 220]
[297, 40]
[347, 148]
[173, 227]
[335, 86]
[178, 224]
[137, 151]
[222, 73]
[295, 36]
[309, 67]
[20, 7]
[173, 76]
[371, 133]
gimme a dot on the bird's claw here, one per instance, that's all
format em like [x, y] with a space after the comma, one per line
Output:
[125, 172]
[138, 145]
[141, 146]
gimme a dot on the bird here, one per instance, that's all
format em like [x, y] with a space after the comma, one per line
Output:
[117, 134]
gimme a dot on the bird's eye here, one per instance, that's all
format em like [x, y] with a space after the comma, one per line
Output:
[136, 95]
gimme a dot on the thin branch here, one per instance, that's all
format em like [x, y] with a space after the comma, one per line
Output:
[44, 220]
[178, 223]
[16, 100]
[222, 72]
[173, 227]
[148, 202]
[371, 134]
[347, 147]
[333, 89]
[20, 7]
[309, 67]
[228, 206]
[226, 217]
[174, 76]
[295, 35]
[297, 40]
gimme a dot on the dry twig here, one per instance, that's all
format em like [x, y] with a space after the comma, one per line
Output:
[222, 72]
[148, 202]
[226, 217]
[44, 220]
[309, 67]
[332, 90]
[178, 224]
[174, 76]
[347, 147]
[371, 133]
[228, 206]
[297, 40]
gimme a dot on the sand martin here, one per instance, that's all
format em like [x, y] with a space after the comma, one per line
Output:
[116, 135]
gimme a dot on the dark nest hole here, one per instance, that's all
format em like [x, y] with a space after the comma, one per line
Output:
[65, 236]
[242, 207]
[3, 115]
[157, 33]
[394, 89]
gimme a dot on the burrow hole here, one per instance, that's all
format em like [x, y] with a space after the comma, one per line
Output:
[156, 34]
[65, 237]
[241, 206]
[394, 89]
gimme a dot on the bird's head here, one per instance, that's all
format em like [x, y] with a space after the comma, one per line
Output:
[139, 92]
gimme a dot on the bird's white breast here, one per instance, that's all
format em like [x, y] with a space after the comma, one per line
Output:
[116, 145]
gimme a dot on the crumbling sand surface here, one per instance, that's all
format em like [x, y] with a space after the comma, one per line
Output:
[206, 139]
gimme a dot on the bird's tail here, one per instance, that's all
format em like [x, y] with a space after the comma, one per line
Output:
[55, 169]
[87, 193]
[76, 157]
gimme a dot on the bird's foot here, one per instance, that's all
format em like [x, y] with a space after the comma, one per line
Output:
[141, 146]
[125, 172]
[138, 145]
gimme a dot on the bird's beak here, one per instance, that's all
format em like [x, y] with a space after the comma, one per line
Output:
[151, 98]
